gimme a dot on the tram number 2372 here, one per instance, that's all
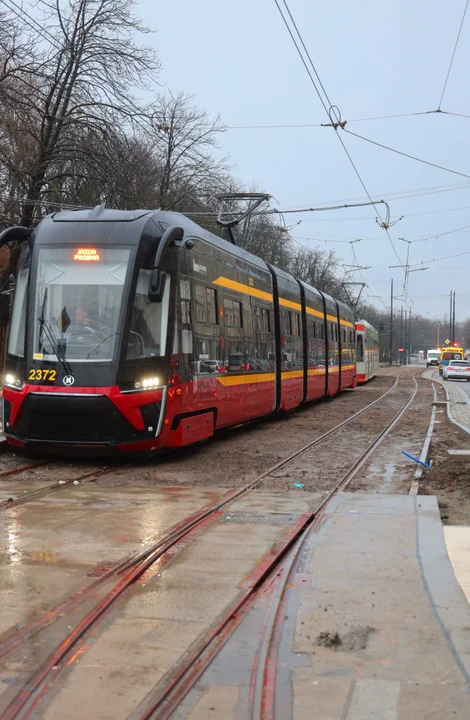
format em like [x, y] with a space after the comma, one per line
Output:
[42, 374]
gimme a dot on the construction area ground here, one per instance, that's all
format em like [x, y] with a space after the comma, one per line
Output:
[295, 567]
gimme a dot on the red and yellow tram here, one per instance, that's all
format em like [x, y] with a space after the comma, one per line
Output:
[367, 351]
[136, 331]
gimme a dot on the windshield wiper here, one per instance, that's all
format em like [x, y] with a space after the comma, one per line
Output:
[41, 320]
[48, 331]
[92, 352]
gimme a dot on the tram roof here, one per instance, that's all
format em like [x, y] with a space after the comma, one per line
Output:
[162, 218]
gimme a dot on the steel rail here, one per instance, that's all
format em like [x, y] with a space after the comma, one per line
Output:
[12, 502]
[26, 699]
[22, 468]
[265, 688]
[23, 634]
[165, 699]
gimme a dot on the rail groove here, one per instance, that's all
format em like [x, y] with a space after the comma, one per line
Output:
[131, 569]
[21, 499]
[161, 703]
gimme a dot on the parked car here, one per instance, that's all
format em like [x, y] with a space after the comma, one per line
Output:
[457, 370]
[209, 367]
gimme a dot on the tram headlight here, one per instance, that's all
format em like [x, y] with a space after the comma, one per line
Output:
[150, 383]
[13, 381]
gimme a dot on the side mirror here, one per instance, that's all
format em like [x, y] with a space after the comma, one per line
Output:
[156, 286]
[157, 279]
[17, 232]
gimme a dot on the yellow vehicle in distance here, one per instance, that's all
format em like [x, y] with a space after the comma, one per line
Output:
[448, 354]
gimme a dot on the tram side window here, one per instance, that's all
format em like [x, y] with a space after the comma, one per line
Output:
[185, 294]
[285, 320]
[233, 313]
[295, 324]
[312, 344]
[186, 312]
[260, 349]
[360, 349]
[262, 319]
[149, 321]
[206, 311]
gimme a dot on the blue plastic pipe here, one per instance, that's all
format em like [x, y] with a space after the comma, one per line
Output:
[420, 462]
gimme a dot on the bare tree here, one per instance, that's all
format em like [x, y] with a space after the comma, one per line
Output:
[318, 268]
[185, 138]
[84, 84]
[17, 58]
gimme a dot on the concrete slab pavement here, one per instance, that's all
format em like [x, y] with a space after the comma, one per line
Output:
[376, 572]
[51, 545]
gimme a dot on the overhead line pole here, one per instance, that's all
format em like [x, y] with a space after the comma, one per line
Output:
[409, 339]
[453, 320]
[391, 320]
[401, 334]
[450, 318]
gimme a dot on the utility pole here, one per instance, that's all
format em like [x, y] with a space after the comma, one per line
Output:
[405, 339]
[450, 318]
[391, 320]
[409, 339]
[438, 328]
[401, 334]
[453, 320]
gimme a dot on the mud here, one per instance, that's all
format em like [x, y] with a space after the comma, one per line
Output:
[328, 639]
[320, 468]
[355, 639]
[237, 455]
[389, 471]
[230, 458]
[448, 480]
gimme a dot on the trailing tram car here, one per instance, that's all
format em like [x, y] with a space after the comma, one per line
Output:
[367, 351]
[133, 331]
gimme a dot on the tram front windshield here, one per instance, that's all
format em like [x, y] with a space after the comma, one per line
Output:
[78, 302]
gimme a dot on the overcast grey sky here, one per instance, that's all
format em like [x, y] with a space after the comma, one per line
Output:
[374, 59]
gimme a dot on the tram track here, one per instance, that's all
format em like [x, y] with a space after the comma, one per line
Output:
[105, 592]
[167, 696]
[22, 468]
[33, 494]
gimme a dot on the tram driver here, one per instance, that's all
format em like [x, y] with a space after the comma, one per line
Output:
[85, 321]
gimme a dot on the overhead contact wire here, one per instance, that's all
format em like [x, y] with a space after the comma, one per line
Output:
[329, 110]
[453, 54]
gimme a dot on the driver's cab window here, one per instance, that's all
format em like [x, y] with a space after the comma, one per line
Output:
[149, 320]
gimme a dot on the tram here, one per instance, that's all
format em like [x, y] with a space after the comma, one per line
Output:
[367, 351]
[133, 331]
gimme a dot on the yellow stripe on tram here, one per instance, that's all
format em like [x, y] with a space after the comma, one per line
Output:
[230, 380]
[290, 374]
[246, 289]
[290, 304]
[263, 295]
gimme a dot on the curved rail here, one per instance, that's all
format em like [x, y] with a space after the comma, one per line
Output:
[263, 707]
[161, 703]
[130, 570]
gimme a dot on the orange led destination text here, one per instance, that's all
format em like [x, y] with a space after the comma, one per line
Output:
[86, 255]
